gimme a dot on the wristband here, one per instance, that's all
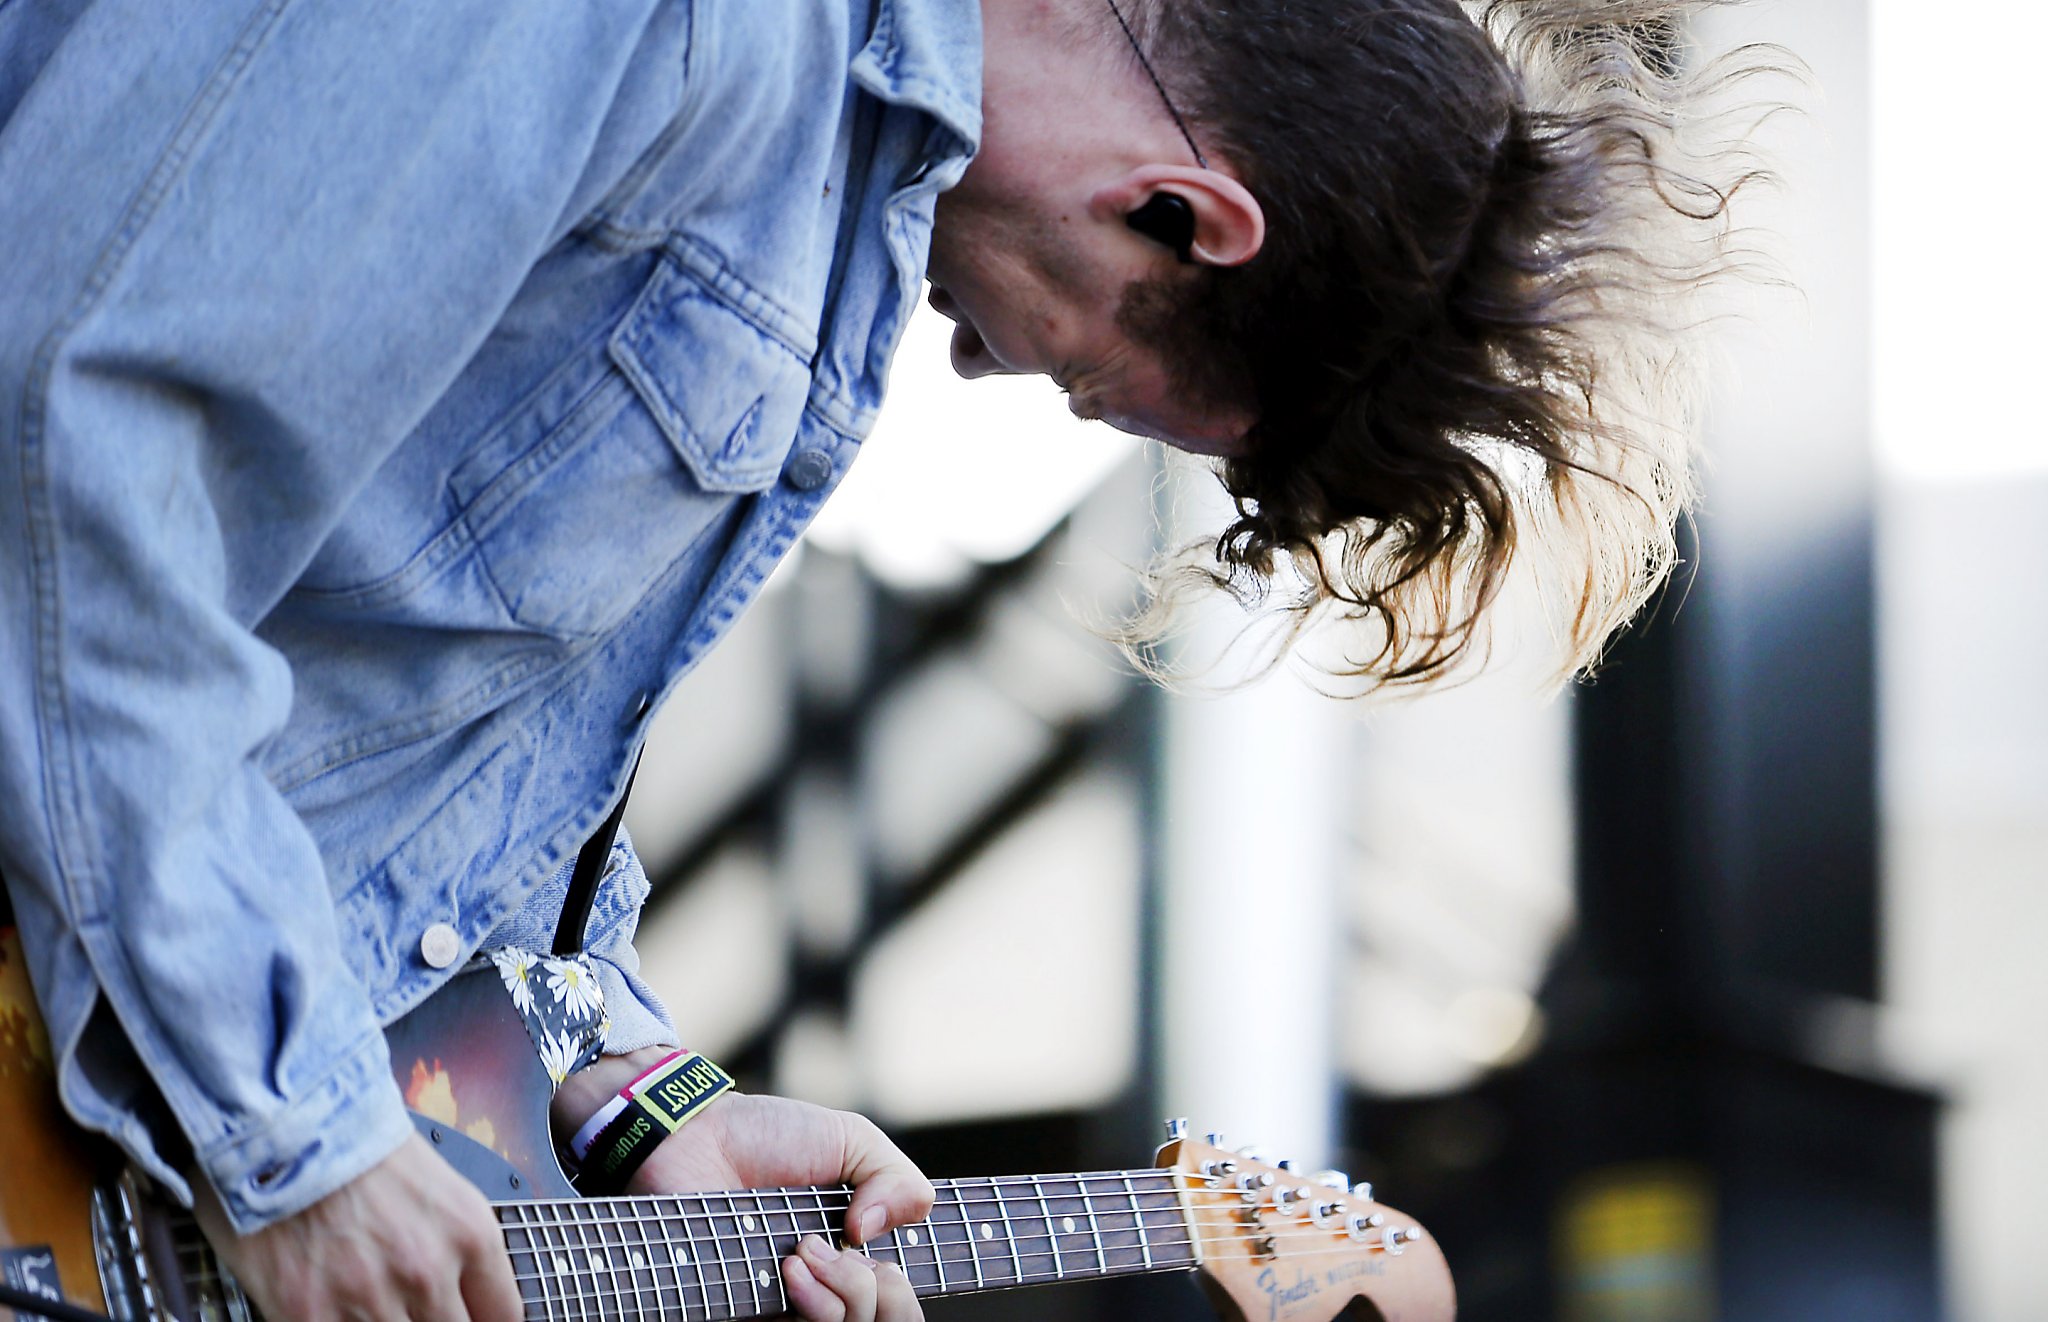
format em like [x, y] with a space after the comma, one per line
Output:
[652, 1107]
[579, 1146]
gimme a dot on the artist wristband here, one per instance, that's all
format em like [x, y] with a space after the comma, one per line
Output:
[652, 1107]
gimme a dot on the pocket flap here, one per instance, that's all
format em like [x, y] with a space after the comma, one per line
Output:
[727, 395]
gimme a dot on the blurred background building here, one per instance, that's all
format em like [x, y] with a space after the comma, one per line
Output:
[1709, 989]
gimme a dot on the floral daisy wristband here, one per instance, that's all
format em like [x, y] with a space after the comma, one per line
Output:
[614, 1142]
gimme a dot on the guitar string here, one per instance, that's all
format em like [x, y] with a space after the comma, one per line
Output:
[904, 1252]
[639, 1213]
[533, 1217]
[1299, 1225]
[757, 1198]
[933, 1253]
[894, 1244]
[1151, 1236]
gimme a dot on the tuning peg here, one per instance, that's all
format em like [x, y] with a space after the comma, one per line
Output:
[1176, 1129]
[1323, 1214]
[1337, 1180]
[1285, 1163]
[1391, 1239]
[1215, 1138]
[1362, 1190]
[1252, 1152]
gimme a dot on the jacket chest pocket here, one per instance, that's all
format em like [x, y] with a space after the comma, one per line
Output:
[691, 408]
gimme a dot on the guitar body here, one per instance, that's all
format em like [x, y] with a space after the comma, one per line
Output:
[52, 1169]
[463, 1061]
[1269, 1243]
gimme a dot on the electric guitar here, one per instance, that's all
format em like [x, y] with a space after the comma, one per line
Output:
[1268, 1243]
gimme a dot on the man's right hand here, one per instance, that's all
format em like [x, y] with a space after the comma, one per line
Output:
[408, 1239]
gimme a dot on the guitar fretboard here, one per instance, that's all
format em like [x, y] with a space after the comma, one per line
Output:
[704, 1257]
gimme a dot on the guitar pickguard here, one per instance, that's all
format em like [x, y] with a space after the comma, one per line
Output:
[465, 1064]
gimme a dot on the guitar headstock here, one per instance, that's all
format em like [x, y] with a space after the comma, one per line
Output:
[1277, 1245]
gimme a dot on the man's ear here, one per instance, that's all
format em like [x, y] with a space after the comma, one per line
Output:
[1230, 226]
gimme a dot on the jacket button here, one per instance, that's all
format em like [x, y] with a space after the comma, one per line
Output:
[810, 470]
[440, 946]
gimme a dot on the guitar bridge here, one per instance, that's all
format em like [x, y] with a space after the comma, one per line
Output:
[154, 1263]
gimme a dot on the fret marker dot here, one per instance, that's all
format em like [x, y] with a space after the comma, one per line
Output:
[561, 1265]
[598, 1263]
[1067, 1224]
[638, 1261]
[764, 1278]
[747, 1222]
[910, 1235]
[987, 1231]
[682, 1257]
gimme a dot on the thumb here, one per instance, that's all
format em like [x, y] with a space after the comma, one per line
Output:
[889, 1190]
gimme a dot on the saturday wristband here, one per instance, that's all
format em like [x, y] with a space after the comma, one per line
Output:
[579, 1146]
[650, 1108]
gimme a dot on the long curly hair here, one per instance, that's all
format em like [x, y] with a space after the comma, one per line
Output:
[1471, 334]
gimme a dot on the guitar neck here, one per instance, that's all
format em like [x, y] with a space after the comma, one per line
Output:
[705, 1257]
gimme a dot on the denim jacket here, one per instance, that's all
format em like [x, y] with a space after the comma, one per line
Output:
[395, 401]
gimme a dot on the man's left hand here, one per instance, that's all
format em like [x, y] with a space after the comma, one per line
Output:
[752, 1141]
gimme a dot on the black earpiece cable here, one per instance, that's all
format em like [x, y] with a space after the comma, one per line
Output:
[1166, 100]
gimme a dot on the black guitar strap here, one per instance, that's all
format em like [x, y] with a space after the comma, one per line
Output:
[589, 871]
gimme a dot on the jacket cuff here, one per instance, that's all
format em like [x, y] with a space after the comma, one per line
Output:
[637, 1016]
[353, 1119]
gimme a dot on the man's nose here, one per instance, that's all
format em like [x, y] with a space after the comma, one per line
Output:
[971, 356]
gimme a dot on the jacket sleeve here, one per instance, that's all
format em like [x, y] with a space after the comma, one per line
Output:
[250, 243]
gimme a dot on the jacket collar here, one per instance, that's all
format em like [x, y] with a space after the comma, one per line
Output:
[926, 54]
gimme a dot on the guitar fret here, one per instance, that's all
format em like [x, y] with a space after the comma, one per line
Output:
[680, 1255]
[654, 1236]
[1117, 1224]
[753, 1237]
[611, 1253]
[533, 1280]
[967, 1233]
[1138, 1221]
[767, 1275]
[555, 1236]
[554, 1299]
[639, 1262]
[1065, 1206]
[1164, 1201]
[611, 1249]
[1052, 1238]
[587, 1271]
[824, 1222]
[1009, 1230]
[776, 1236]
[720, 1236]
[742, 1224]
[1094, 1231]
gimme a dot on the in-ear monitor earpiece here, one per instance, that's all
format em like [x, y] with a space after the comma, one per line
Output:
[1167, 218]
